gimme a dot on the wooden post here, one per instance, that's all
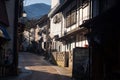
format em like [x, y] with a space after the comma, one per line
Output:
[15, 59]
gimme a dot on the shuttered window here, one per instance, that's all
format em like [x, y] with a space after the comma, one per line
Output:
[71, 17]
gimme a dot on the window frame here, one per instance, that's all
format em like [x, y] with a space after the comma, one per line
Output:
[71, 16]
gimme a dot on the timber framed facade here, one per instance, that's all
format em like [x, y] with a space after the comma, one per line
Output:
[91, 24]
[69, 35]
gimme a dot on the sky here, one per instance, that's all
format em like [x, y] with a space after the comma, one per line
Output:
[29, 2]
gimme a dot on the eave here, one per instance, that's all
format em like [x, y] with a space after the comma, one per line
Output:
[71, 34]
[59, 7]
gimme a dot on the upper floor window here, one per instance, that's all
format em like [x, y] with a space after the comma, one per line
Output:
[105, 5]
[57, 18]
[71, 17]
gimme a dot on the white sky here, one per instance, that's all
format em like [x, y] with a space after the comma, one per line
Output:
[29, 2]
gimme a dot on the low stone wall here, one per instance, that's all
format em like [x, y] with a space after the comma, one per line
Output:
[59, 57]
[63, 59]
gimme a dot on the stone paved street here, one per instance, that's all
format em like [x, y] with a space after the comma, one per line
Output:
[34, 67]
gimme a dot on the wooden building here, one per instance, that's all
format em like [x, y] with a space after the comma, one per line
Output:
[42, 35]
[8, 37]
[87, 23]
[103, 40]
[65, 19]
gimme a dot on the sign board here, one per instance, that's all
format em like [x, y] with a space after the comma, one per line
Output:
[80, 63]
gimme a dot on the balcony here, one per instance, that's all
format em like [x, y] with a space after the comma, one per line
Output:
[73, 32]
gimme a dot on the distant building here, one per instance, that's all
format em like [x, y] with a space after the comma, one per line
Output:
[28, 35]
[42, 34]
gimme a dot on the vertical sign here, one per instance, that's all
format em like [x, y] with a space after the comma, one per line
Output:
[80, 63]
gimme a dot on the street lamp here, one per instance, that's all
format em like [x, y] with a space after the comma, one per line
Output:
[24, 14]
[24, 17]
[22, 21]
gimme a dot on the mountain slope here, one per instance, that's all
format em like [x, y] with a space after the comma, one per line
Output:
[35, 11]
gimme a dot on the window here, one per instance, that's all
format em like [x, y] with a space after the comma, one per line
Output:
[71, 17]
[57, 18]
[68, 19]
[105, 5]
[86, 12]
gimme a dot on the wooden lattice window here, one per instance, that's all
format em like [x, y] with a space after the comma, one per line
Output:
[71, 17]
[68, 19]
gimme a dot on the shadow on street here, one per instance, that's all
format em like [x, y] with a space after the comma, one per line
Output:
[44, 75]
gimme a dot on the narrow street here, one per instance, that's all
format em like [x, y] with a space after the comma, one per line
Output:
[36, 68]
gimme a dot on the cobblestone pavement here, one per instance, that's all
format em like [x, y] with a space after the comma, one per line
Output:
[34, 67]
